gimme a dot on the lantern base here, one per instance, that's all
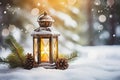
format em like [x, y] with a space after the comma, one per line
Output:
[48, 65]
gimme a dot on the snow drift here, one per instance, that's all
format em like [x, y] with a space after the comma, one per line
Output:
[93, 63]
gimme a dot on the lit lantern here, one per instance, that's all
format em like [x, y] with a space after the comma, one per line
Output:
[45, 41]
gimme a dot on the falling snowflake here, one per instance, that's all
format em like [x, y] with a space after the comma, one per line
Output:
[97, 2]
[102, 18]
[98, 11]
[92, 9]
[114, 35]
[110, 15]
[5, 12]
[110, 2]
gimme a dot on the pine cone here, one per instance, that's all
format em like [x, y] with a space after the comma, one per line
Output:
[29, 62]
[61, 63]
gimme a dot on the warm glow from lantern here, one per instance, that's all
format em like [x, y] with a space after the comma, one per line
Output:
[54, 49]
[44, 50]
[45, 41]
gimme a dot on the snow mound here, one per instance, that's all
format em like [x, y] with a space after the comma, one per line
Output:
[94, 63]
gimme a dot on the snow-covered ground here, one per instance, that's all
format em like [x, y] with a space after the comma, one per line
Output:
[93, 63]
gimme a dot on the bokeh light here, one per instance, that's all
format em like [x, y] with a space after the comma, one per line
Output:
[38, 4]
[100, 27]
[35, 11]
[29, 27]
[97, 2]
[71, 2]
[104, 35]
[5, 12]
[110, 3]
[110, 16]
[5, 32]
[11, 27]
[102, 18]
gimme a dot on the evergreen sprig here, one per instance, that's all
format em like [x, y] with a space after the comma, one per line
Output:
[17, 57]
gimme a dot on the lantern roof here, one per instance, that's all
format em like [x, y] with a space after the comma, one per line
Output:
[45, 31]
[45, 27]
[45, 17]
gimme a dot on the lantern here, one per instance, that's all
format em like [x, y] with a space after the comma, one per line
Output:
[45, 41]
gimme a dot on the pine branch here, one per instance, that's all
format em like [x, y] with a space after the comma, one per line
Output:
[15, 47]
[17, 52]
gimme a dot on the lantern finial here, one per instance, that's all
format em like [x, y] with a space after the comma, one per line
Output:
[45, 13]
[45, 20]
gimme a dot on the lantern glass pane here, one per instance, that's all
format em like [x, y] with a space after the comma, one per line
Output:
[35, 48]
[55, 50]
[44, 50]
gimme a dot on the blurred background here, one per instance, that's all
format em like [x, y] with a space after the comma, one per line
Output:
[80, 22]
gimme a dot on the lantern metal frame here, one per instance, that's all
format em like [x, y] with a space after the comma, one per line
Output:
[45, 31]
[50, 37]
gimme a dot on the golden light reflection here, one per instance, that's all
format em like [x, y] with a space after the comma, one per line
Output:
[35, 49]
[44, 50]
[54, 49]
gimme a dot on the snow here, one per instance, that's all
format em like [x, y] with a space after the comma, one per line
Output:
[42, 32]
[93, 63]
